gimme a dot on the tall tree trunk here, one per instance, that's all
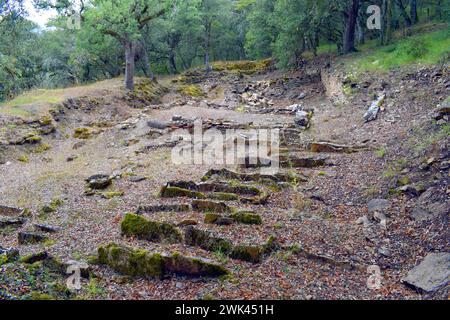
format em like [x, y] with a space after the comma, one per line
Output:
[129, 64]
[403, 12]
[414, 17]
[172, 63]
[350, 26]
[386, 29]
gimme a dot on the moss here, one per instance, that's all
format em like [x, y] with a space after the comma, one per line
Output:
[206, 241]
[33, 139]
[42, 148]
[133, 262]
[245, 67]
[174, 192]
[247, 217]
[271, 245]
[52, 207]
[138, 226]
[82, 133]
[111, 194]
[223, 196]
[247, 253]
[179, 264]
[212, 217]
[403, 181]
[191, 90]
[40, 296]
[45, 120]
[23, 158]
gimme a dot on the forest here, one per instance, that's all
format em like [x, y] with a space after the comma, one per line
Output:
[94, 40]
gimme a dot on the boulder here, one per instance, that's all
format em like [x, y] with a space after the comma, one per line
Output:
[137, 226]
[99, 181]
[8, 255]
[431, 274]
[30, 238]
[299, 161]
[35, 257]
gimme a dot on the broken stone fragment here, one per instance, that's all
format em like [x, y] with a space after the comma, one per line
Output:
[137, 226]
[11, 211]
[431, 274]
[194, 267]
[248, 253]
[298, 161]
[99, 181]
[11, 221]
[133, 262]
[331, 147]
[206, 240]
[163, 208]
[210, 206]
[187, 222]
[247, 217]
[46, 228]
[35, 257]
[31, 238]
[175, 192]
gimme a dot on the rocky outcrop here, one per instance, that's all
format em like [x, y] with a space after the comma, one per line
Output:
[210, 206]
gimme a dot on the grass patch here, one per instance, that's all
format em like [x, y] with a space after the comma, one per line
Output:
[429, 48]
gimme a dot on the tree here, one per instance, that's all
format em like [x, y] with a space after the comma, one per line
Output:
[124, 20]
[350, 27]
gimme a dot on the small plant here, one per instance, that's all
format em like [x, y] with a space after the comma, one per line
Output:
[23, 158]
[380, 153]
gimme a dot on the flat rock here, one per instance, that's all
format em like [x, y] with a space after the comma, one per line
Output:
[11, 221]
[10, 211]
[378, 205]
[431, 274]
[46, 228]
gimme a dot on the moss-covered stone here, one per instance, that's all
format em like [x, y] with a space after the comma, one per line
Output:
[137, 226]
[212, 217]
[137, 262]
[82, 133]
[247, 217]
[248, 253]
[181, 265]
[174, 192]
[133, 262]
[206, 240]
[211, 206]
